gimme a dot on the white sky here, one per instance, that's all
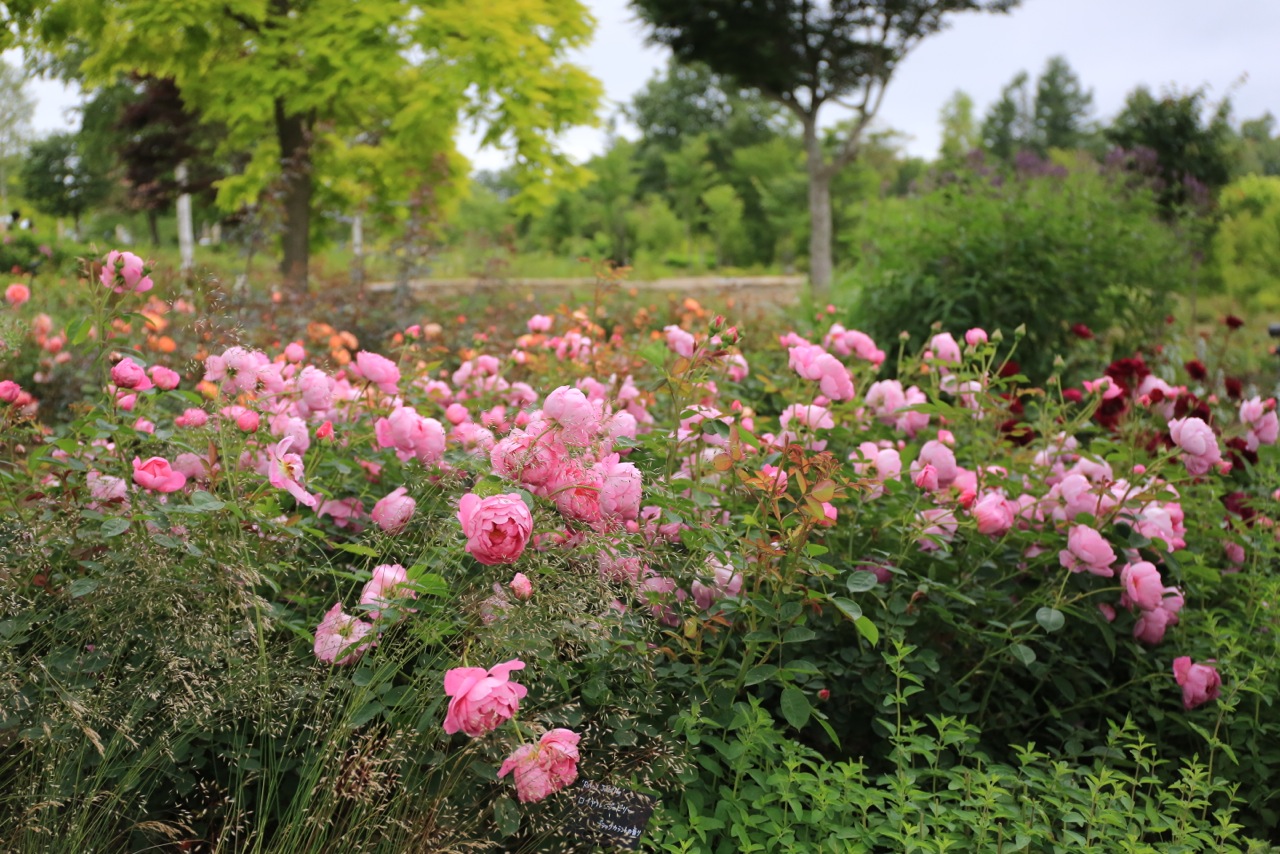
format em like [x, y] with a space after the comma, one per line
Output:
[1231, 47]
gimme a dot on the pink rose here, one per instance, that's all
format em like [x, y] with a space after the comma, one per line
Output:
[482, 699]
[9, 391]
[192, 418]
[1198, 443]
[722, 581]
[389, 582]
[1200, 682]
[295, 352]
[378, 370]
[16, 294]
[1087, 549]
[157, 474]
[569, 409]
[248, 421]
[544, 768]
[994, 514]
[1142, 584]
[124, 271]
[497, 528]
[317, 389]
[286, 470]
[392, 512]
[521, 586]
[340, 633]
[945, 348]
[619, 489]
[813, 363]
[681, 342]
[127, 373]
[975, 336]
[411, 434]
[164, 378]
[942, 459]
[539, 323]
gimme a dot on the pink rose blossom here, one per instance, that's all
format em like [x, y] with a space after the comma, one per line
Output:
[481, 700]
[544, 768]
[9, 391]
[286, 471]
[497, 527]
[1198, 443]
[165, 379]
[945, 348]
[124, 271]
[378, 370]
[127, 373]
[681, 342]
[721, 581]
[975, 336]
[569, 409]
[295, 352]
[389, 582]
[393, 510]
[248, 421]
[1200, 682]
[16, 294]
[340, 633]
[521, 586]
[1142, 584]
[157, 474]
[1087, 549]
[994, 514]
[813, 363]
[539, 323]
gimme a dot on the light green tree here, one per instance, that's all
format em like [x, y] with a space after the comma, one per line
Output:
[689, 175]
[724, 220]
[960, 133]
[1246, 247]
[656, 225]
[353, 100]
[16, 109]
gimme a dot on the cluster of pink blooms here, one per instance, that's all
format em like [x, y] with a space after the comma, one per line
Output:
[342, 638]
[125, 272]
[482, 700]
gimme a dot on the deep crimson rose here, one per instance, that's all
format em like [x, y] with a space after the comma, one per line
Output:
[1196, 370]
[1081, 331]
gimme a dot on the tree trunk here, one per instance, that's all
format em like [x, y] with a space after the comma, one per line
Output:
[294, 135]
[186, 234]
[153, 225]
[820, 261]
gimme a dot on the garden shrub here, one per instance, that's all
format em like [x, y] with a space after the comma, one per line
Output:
[1246, 245]
[1045, 249]
[294, 595]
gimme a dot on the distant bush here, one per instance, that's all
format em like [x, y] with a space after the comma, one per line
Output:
[1246, 248]
[1046, 249]
[21, 252]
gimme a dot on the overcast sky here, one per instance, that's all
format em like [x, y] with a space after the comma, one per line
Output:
[1230, 47]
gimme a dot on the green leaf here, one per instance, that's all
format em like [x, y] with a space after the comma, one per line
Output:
[861, 581]
[203, 502]
[368, 712]
[760, 673]
[357, 549]
[114, 526]
[868, 630]
[1050, 619]
[82, 587]
[795, 706]
[507, 816]
[1023, 653]
[847, 606]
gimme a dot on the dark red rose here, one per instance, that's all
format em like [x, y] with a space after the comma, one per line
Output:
[1239, 504]
[1081, 331]
[1196, 370]
[1232, 321]
[1072, 395]
[1235, 388]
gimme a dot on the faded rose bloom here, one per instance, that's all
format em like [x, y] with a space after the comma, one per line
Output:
[286, 472]
[1200, 682]
[994, 514]
[682, 343]
[722, 581]
[497, 527]
[481, 700]
[392, 512]
[569, 409]
[389, 582]
[544, 768]
[813, 363]
[340, 633]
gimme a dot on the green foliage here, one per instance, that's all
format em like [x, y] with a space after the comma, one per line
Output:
[724, 219]
[1246, 246]
[959, 129]
[59, 178]
[1191, 144]
[1043, 253]
[1055, 116]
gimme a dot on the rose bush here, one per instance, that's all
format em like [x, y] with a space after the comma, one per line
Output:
[677, 528]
